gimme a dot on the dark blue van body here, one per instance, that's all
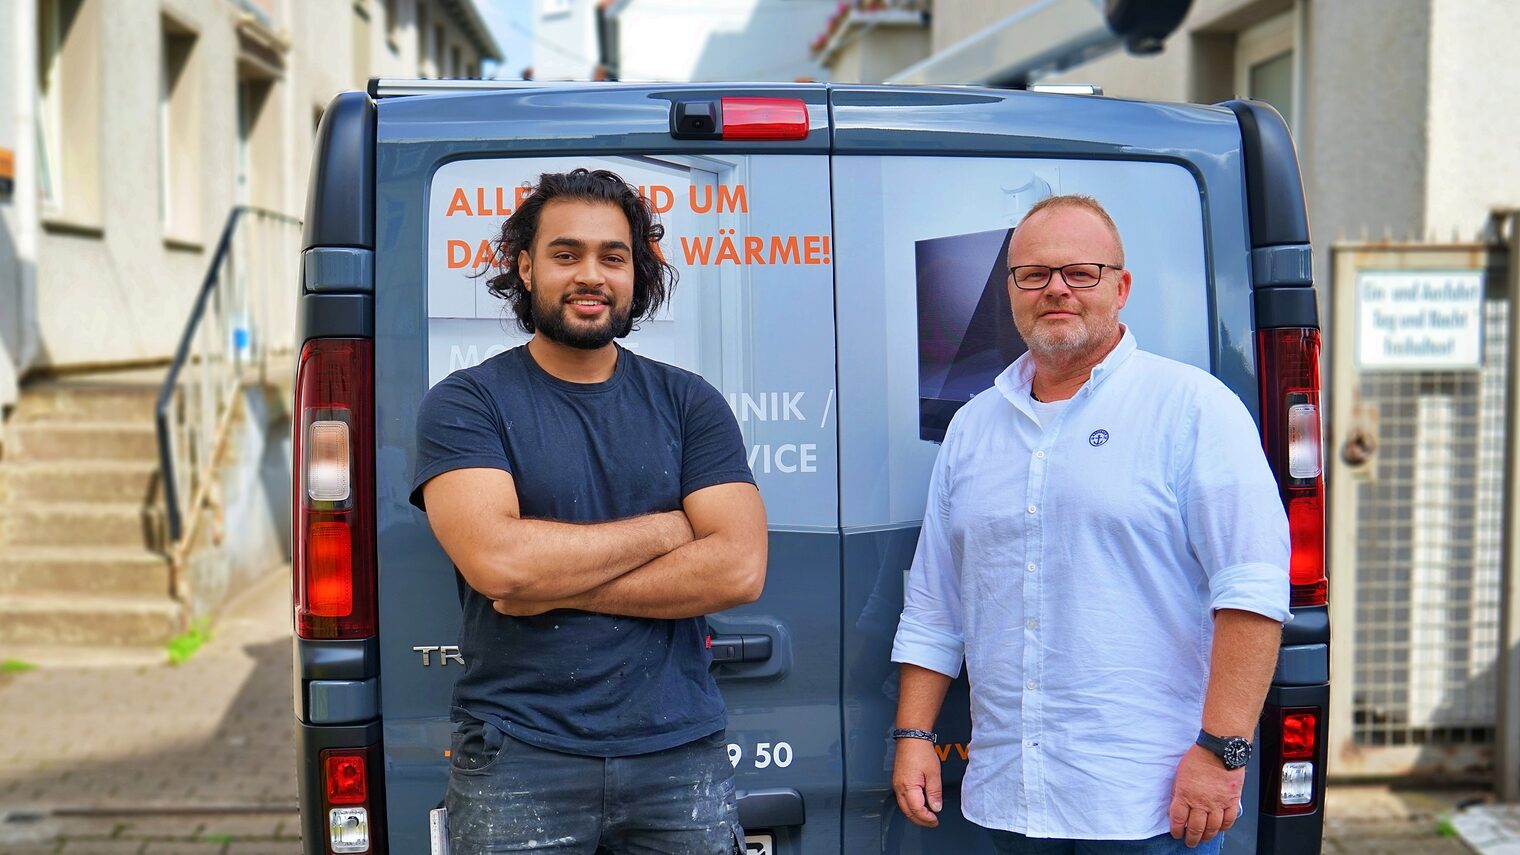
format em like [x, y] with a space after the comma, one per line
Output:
[842, 290]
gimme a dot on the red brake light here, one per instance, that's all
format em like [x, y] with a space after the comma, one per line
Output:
[1288, 366]
[330, 583]
[345, 779]
[1298, 734]
[765, 119]
[334, 496]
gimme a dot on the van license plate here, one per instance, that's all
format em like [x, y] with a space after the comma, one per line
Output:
[759, 844]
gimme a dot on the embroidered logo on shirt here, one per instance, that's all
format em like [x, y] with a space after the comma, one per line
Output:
[1097, 438]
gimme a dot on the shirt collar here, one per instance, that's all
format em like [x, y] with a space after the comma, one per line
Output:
[1016, 379]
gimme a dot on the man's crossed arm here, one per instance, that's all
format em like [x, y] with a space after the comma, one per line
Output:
[705, 558]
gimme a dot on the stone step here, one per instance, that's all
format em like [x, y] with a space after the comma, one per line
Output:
[74, 524]
[79, 440]
[69, 619]
[95, 571]
[127, 396]
[89, 481]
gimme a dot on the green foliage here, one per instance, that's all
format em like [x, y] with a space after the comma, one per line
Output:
[183, 646]
[16, 666]
[1444, 826]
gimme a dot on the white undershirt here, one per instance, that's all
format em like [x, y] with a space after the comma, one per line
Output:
[1047, 411]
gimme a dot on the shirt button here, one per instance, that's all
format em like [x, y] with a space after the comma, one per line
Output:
[1030, 568]
[1033, 624]
[1033, 684]
[1040, 454]
[1032, 509]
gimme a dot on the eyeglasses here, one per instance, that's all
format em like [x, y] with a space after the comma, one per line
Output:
[1034, 277]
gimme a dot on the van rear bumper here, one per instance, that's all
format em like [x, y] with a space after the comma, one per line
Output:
[311, 741]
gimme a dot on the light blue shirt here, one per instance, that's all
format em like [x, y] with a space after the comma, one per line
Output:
[1075, 568]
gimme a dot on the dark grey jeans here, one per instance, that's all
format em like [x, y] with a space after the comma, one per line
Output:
[509, 796]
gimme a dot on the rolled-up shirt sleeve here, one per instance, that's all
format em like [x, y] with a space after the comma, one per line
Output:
[1234, 515]
[930, 633]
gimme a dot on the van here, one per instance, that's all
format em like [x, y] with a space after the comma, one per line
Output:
[841, 257]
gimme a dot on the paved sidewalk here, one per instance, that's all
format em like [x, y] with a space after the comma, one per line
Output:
[118, 751]
[111, 752]
[1379, 820]
[1490, 829]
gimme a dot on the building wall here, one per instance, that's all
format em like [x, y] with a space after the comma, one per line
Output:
[109, 287]
[1364, 142]
[18, 213]
[116, 277]
[749, 40]
[871, 54]
[1474, 114]
[564, 37]
[957, 19]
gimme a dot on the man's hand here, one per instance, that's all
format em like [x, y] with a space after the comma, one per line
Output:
[916, 780]
[1205, 797]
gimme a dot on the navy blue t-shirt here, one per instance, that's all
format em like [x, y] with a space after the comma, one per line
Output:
[572, 681]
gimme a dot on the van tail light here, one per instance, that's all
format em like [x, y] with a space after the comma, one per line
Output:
[1288, 363]
[1293, 760]
[764, 119]
[349, 801]
[334, 503]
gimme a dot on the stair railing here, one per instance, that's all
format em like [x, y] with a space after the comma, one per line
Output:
[239, 323]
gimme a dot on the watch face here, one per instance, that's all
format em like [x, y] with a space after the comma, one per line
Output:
[1237, 752]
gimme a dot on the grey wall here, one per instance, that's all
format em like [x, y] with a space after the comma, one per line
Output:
[1474, 114]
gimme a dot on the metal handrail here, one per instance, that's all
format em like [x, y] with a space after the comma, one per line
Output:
[241, 345]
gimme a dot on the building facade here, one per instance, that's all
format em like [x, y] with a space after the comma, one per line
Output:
[137, 127]
[1386, 98]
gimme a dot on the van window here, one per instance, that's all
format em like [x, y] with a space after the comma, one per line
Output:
[924, 314]
[753, 312]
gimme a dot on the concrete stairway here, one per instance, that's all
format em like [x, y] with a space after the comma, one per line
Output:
[80, 516]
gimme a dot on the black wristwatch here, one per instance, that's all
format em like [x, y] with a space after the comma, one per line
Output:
[1235, 751]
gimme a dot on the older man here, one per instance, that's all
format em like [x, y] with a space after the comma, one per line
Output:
[1105, 548]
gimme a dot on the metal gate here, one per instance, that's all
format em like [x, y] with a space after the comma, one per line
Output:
[1419, 367]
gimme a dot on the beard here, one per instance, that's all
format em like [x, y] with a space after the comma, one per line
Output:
[1065, 339]
[550, 318]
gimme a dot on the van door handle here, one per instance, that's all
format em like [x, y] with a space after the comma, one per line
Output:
[739, 648]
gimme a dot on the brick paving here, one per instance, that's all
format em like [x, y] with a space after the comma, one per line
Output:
[120, 752]
[1378, 820]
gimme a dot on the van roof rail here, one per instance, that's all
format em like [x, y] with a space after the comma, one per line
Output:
[391, 87]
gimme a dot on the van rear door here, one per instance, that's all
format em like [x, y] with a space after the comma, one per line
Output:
[747, 214]
[928, 186]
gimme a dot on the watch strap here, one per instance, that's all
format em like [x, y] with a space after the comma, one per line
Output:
[1211, 742]
[1219, 746]
[914, 733]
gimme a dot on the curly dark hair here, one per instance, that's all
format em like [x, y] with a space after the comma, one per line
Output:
[653, 278]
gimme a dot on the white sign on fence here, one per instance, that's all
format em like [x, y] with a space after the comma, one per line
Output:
[1426, 320]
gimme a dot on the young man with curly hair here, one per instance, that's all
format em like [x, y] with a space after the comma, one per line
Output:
[597, 504]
